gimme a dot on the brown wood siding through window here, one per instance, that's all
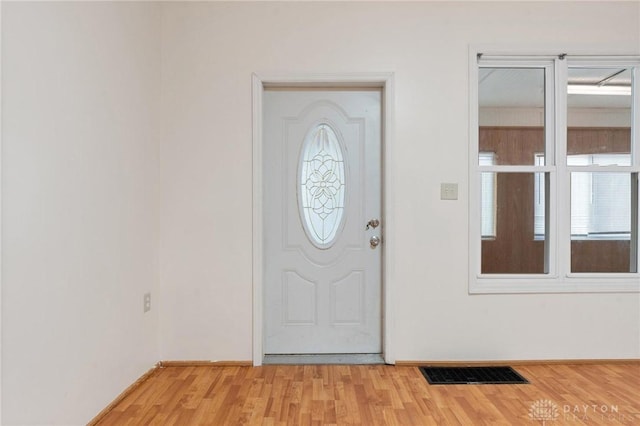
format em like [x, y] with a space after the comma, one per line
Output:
[514, 249]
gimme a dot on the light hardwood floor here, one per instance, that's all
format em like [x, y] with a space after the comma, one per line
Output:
[601, 394]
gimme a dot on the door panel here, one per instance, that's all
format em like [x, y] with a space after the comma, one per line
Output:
[322, 185]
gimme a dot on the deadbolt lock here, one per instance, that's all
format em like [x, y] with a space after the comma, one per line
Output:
[373, 223]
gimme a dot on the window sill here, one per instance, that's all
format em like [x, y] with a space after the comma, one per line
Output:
[575, 283]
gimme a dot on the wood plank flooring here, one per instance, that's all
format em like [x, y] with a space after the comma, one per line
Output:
[602, 394]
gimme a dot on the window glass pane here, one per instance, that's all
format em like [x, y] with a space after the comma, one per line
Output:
[322, 185]
[488, 208]
[580, 193]
[599, 112]
[511, 113]
[514, 250]
[602, 214]
[601, 205]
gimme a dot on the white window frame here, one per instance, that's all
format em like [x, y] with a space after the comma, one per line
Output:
[559, 278]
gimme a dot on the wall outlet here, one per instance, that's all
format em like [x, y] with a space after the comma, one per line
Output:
[147, 302]
[448, 191]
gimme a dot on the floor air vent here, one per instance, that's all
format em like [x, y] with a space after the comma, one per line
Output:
[472, 375]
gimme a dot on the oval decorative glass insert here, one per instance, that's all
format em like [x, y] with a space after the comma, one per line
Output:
[322, 185]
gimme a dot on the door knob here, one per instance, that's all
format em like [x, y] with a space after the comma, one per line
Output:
[373, 223]
[374, 241]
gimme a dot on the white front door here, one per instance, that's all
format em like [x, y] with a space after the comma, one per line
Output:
[322, 206]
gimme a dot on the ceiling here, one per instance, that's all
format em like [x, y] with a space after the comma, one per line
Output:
[524, 87]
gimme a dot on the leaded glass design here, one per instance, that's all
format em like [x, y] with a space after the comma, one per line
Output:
[322, 185]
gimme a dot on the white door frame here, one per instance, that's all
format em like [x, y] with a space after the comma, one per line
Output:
[384, 81]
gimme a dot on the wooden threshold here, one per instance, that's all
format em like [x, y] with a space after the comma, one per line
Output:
[323, 359]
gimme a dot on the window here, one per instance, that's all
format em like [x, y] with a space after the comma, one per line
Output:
[554, 174]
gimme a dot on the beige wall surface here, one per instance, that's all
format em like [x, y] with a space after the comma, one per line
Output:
[80, 90]
[209, 54]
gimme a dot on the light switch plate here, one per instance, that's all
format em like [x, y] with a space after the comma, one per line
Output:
[448, 191]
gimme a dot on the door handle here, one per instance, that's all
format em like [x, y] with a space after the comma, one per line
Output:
[373, 223]
[374, 241]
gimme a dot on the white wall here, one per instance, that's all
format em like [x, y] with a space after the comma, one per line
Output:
[80, 86]
[209, 53]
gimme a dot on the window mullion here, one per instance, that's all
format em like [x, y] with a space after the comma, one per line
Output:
[635, 117]
[561, 211]
[551, 106]
[635, 182]
[635, 223]
[555, 152]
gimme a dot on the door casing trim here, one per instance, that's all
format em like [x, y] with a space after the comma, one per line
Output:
[384, 81]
